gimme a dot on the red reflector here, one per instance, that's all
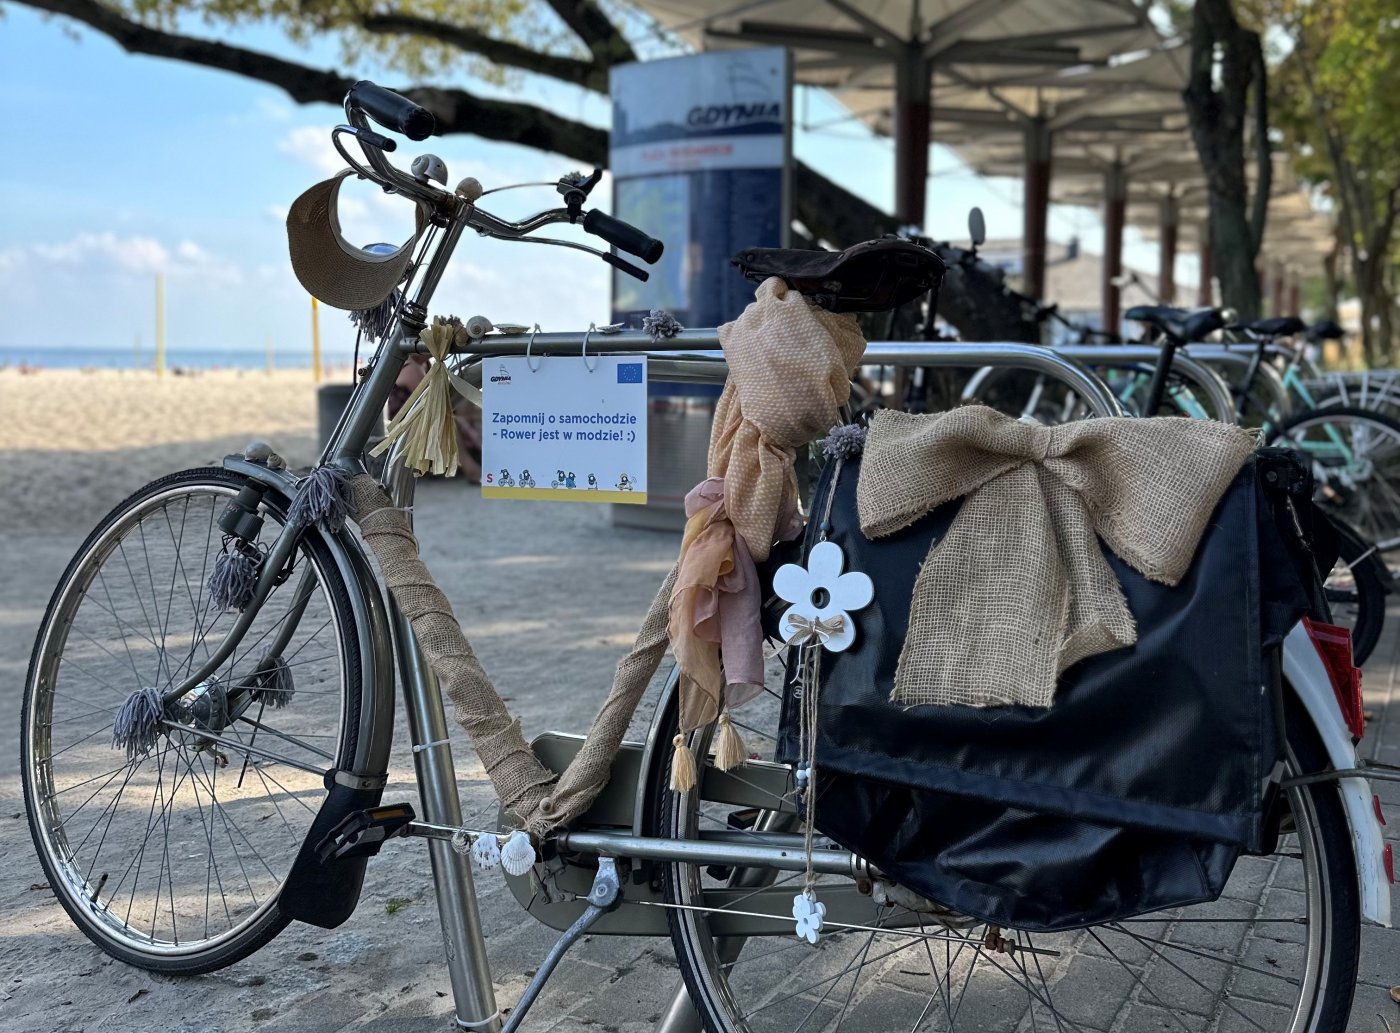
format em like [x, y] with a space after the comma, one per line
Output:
[1389, 857]
[1334, 647]
[1380, 815]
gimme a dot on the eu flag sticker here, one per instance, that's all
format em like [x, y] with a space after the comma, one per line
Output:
[629, 372]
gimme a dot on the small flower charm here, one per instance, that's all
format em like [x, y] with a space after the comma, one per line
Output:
[486, 853]
[518, 854]
[809, 913]
[822, 598]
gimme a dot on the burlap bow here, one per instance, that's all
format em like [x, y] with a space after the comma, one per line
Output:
[806, 630]
[1018, 589]
[790, 364]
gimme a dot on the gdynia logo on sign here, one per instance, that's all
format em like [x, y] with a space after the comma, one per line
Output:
[733, 114]
[501, 377]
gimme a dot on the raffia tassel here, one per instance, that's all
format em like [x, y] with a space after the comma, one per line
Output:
[730, 753]
[682, 766]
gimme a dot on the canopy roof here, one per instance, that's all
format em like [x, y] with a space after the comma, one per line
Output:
[852, 46]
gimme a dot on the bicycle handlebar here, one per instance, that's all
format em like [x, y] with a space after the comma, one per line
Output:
[392, 111]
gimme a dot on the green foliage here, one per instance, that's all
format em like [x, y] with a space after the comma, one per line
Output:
[413, 56]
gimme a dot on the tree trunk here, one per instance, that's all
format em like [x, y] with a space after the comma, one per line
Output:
[1217, 99]
[1231, 237]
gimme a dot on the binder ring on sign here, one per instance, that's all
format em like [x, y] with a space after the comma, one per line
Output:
[530, 344]
[586, 334]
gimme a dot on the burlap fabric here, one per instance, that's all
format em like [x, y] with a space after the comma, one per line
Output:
[1019, 589]
[526, 787]
[790, 363]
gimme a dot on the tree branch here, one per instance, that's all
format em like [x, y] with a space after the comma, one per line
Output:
[588, 74]
[457, 111]
[587, 21]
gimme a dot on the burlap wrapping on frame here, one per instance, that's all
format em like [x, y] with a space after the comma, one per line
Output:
[790, 363]
[526, 787]
[1018, 589]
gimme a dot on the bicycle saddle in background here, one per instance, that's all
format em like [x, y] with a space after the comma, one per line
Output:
[1283, 326]
[1178, 323]
[875, 276]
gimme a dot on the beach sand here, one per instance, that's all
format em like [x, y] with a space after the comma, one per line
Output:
[72, 446]
[75, 443]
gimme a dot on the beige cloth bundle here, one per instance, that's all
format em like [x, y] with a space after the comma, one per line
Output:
[790, 363]
[1018, 589]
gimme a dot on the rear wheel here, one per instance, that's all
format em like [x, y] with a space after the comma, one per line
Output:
[1355, 458]
[1277, 952]
[172, 859]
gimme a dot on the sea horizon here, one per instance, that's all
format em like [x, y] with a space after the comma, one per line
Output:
[128, 358]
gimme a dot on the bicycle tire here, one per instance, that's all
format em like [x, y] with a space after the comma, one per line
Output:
[75, 891]
[1359, 606]
[706, 975]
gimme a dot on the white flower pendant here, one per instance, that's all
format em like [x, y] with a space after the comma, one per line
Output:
[822, 598]
[809, 913]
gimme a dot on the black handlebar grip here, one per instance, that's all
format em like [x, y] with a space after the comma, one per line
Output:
[393, 112]
[624, 236]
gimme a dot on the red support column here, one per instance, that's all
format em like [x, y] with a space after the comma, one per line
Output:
[1166, 256]
[1295, 308]
[1039, 152]
[912, 112]
[1115, 212]
[1205, 293]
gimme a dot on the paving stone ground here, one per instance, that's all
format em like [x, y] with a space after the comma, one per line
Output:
[550, 596]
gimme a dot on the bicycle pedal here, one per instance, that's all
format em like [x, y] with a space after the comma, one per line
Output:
[362, 833]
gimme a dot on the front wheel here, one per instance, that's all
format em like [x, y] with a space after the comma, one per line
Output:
[1277, 952]
[172, 859]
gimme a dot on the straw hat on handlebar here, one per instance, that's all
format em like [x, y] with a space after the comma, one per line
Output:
[334, 271]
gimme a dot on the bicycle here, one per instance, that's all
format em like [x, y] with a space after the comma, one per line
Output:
[253, 761]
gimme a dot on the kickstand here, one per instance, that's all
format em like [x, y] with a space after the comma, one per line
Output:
[602, 898]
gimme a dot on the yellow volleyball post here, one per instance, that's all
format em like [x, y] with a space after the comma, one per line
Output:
[160, 325]
[267, 350]
[315, 340]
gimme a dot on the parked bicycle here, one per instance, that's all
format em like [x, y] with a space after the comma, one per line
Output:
[259, 802]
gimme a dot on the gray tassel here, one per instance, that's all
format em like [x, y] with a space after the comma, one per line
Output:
[844, 442]
[274, 678]
[235, 577]
[375, 322]
[136, 728]
[661, 325]
[323, 498]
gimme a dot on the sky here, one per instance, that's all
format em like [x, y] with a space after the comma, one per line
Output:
[119, 167]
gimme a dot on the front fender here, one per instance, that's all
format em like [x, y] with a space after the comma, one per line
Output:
[326, 894]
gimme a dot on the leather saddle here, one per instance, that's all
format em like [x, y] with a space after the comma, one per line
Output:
[875, 276]
[1283, 326]
[1177, 323]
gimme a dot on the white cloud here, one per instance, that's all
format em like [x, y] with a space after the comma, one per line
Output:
[135, 255]
[312, 147]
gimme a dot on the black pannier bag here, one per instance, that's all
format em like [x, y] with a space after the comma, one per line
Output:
[1137, 790]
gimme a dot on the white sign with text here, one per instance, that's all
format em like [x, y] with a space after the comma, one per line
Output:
[565, 429]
